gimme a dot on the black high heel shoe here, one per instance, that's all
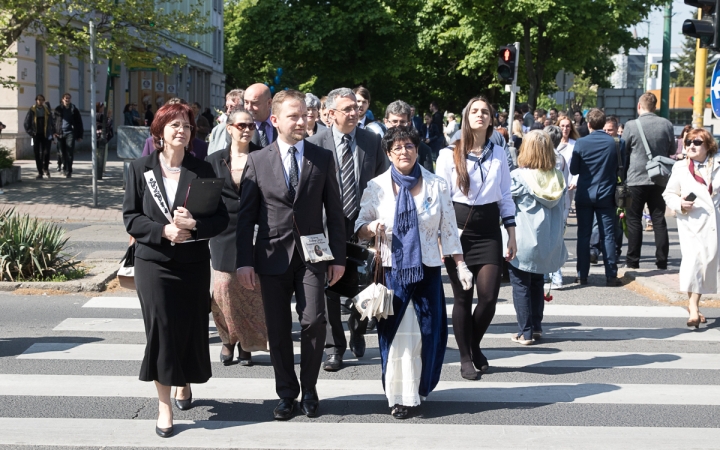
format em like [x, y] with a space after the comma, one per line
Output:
[164, 432]
[183, 405]
[244, 358]
[227, 359]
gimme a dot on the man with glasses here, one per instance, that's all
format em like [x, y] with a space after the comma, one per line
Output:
[659, 140]
[68, 130]
[258, 100]
[219, 137]
[359, 159]
[398, 113]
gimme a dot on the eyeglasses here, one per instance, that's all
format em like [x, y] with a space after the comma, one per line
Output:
[178, 126]
[397, 122]
[348, 110]
[242, 126]
[695, 142]
[407, 147]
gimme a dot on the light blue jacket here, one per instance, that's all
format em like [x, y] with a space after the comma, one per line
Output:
[540, 223]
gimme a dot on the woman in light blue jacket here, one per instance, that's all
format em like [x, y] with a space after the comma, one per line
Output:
[538, 190]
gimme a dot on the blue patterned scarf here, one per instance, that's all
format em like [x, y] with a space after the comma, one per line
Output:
[406, 247]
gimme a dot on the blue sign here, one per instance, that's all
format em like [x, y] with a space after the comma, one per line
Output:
[715, 90]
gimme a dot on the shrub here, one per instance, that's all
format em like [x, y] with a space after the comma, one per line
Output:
[32, 250]
[6, 160]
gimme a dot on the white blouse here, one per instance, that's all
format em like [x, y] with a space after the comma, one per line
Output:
[567, 153]
[436, 215]
[495, 188]
[170, 191]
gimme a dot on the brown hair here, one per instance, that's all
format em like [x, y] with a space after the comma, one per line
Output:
[706, 137]
[536, 151]
[363, 91]
[648, 101]
[467, 143]
[573, 132]
[282, 96]
[686, 129]
[164, 116]
[596, 119]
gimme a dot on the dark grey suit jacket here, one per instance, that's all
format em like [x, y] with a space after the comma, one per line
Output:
[370, 158]
[265, 201]
[256, 137]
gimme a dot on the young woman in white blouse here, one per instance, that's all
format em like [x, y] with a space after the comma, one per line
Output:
[411, 207]
[479, 178]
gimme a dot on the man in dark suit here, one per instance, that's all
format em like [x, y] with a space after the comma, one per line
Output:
[527, 118]
[285, 188]
[595, 161]
[416, 119]
[398, 113]
[437, 116]
[258, 100]
[359, 158]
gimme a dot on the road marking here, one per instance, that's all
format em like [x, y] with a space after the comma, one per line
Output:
[303, 435]
[364, 390]
[549, 332]
[511, 359]
[502, 309]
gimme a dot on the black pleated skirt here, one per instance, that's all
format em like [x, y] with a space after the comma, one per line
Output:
[482, 239]
[175, 302]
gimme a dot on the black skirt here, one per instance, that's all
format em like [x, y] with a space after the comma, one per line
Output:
[482, 239]
[175, 300]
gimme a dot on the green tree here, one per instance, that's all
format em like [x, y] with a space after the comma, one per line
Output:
[684, 75]
[124, 27]
[585, 94]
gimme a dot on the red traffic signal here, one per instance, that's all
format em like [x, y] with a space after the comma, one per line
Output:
[506, 62]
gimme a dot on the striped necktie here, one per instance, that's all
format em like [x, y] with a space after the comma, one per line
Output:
[263, 135]
[348, 179]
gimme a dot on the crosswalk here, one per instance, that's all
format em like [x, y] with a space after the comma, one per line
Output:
[603, 376]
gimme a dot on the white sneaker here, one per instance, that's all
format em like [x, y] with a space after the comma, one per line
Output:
[521, 340]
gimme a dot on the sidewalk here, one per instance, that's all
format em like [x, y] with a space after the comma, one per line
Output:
[67, 199]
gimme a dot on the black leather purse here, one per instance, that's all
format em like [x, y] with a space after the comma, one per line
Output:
[359, 271]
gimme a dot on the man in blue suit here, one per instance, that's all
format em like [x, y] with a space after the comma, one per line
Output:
[595, 162]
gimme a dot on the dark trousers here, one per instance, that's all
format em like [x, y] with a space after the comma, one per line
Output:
[277, 292]
[606, 226]
[528, 299]
[41, 147]
[335, 341]
[66, 145]
[652, 196]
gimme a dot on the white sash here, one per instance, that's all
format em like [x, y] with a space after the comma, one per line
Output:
[157, 195]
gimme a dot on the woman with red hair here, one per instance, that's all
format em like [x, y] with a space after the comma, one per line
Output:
[172, 260]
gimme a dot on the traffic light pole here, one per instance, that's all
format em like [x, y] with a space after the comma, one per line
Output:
[513, 88]
[700, 77]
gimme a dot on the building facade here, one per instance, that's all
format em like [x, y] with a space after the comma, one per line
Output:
[201, 80]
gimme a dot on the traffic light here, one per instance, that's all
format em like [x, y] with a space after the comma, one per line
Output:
[706, 29]
[506, 62]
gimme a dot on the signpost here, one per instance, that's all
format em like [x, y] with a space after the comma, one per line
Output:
[715, 90]
[93, 123]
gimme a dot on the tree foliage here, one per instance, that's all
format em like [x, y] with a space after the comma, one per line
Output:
[422, 50]
[124, 27]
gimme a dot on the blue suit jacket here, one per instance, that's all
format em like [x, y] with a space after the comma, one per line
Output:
[595, 161]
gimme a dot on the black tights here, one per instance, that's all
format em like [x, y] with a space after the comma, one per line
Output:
[470, 327]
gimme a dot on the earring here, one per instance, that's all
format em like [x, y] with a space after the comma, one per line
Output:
[162, 142]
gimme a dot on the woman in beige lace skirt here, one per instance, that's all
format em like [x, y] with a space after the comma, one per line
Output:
[238, 313]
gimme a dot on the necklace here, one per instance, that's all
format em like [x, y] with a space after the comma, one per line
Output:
[167, 167]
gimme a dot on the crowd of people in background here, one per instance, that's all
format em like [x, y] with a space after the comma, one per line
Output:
[481, 192]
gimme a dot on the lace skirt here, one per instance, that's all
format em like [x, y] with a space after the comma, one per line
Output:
[238, 313]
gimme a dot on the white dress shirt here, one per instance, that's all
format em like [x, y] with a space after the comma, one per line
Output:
[495, 187]
[435, 213]
[285, 156]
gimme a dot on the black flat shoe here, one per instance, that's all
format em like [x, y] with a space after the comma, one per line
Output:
[284, 409]
[164, 432]
[400, 412]
[333, 363]
[480, 361]
[245, 358]
[309, 402]
[184, 405]
[467, 371]
[227, 359]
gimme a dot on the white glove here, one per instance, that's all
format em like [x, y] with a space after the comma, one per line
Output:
[465, 276]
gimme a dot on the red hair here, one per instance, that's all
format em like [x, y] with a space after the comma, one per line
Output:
[166, 114]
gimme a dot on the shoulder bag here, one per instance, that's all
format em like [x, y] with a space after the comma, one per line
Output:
[359, 271]
[658, 168]
[622, 192]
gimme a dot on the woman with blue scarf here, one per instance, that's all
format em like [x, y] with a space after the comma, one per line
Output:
[412, 208]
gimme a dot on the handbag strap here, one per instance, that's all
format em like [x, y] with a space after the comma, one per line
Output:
[379, 268]
[644, 139]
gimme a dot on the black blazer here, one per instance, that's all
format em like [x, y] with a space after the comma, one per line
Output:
[595, 161]
[223, 250]
[371, 159]
[145, 221]
[434, 136]
[265, 201]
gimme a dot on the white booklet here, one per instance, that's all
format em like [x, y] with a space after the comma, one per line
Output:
[316, 248]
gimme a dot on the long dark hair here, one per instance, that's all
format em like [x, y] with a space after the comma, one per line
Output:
[467, 143]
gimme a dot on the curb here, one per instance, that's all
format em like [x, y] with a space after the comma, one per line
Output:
[673, 295]
[101, 273]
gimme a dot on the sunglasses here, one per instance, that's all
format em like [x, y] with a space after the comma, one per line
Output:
[242, 126]
[695, 142]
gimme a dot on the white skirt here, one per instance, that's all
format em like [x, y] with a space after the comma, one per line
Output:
[404, 364]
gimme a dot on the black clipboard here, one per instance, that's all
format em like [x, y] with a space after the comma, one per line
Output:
[203, 196]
